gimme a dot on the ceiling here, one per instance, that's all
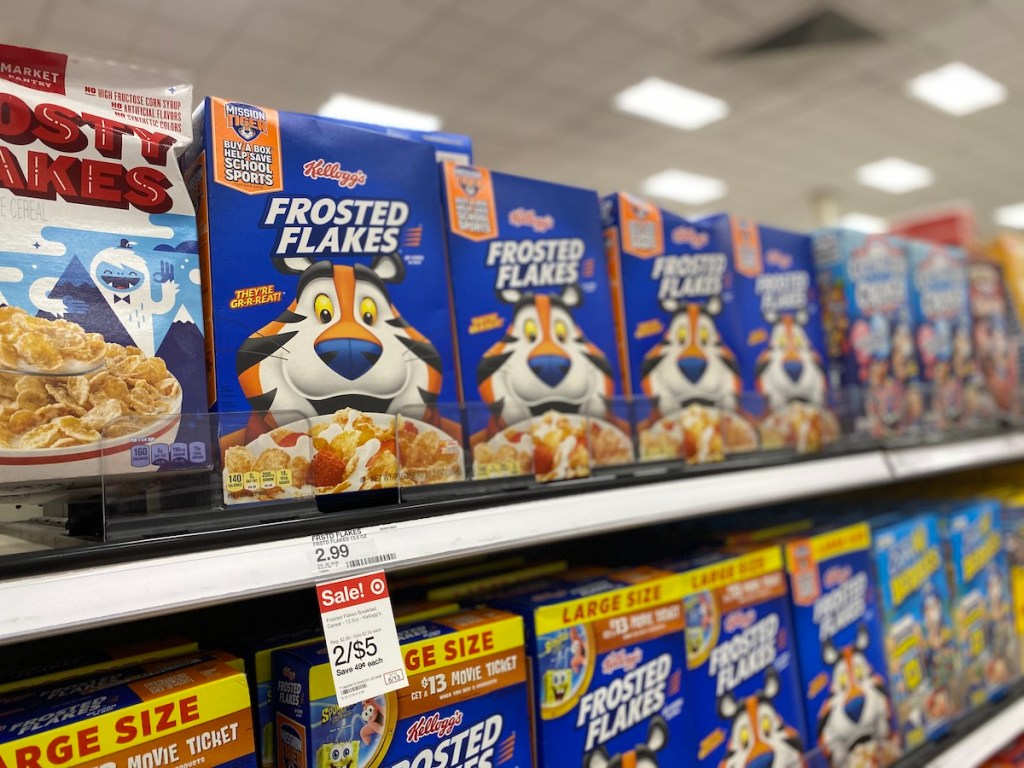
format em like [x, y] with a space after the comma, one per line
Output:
[531, 81]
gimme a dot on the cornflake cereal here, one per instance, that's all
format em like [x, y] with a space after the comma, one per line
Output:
[554, 446]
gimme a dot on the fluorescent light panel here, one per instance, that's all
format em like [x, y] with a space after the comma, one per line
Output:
[864, 222]
[957, 89]
[683, 187]
[895, 175]
[1010, 216]
[347, 107]
[671, 104]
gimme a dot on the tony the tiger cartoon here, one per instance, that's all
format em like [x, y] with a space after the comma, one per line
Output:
[758, 736]
[329, 297]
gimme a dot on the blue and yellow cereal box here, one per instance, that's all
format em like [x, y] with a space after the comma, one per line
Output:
[332, 349]
[742, 677]
[533, 312]
[864, 284]
[972, 539]
[467, 704]
[608, 658]
[678, 331]
[838, 624]
[194, 715]
[940, 307]
[920, 641]
[781, 352]
[995, 331]
[1013, 540]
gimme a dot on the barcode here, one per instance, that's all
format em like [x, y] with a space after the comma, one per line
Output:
[374, 560]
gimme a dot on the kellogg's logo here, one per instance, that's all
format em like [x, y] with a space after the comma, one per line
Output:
[322, 169]
[777, 258]
[836, 575]
[738, 620]
[247, 121]
[435, 725]
[527, 217]
[622, 660]
[689, 236]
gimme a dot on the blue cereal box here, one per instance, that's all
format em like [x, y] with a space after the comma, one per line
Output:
[924, 660]
[328, 290]
[1013, 539]
[864, 284]
[781, 351]
[840, 646]
[742, 678]
[101, 326]
[994, 331]
[678, 330]
[456, 147]
[467, 703]
[533, 311]
[972, 538]
[608, 658]
[940, 305]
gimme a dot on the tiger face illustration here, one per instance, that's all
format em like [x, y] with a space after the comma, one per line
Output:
[691, 365]
[643, 756]
[758, 736]
[544, 362]
[857, 709]
[790, 369]
[340, 343]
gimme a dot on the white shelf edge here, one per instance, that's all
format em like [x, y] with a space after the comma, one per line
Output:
[984, 741]
[908, 463]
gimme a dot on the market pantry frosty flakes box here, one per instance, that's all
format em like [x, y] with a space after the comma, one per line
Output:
[331, 346]
[678, 330]
[534, 319]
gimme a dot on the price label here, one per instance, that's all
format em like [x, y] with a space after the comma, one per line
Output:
[362, 642]
[340, 551]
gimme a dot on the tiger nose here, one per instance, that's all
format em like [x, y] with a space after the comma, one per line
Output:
[550, 369]
[793, 368]
[693, 367]
[855, 708]
[349, 358]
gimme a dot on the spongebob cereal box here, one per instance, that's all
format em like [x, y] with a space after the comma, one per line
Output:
[100, 305]
[328, 290]
[677, 333]
[839, 642]
[467, 704]
[741, 661]
[972, 540]
[920, 644]
[607, 661]
[533, 313]
[864, 284]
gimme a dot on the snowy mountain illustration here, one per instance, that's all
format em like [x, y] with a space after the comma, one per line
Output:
[85, 305]
[182, 350]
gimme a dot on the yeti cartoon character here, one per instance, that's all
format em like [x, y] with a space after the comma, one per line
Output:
[123, 279]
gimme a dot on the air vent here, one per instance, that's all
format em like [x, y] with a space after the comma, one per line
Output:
[823, 27]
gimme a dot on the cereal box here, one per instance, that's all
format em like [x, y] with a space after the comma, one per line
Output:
[995, 334]
[924, 659]
[328, 289]
[972, 540]
[678, 330]
[940, 306]
[194, 715]
[781, 351]
[100, 306]
[607, 662]
[864, 284]
[261, 680]
[741, 661]
[1013, 540]
[840, 648]
[467, 704]
[456, 147]
[533, 312]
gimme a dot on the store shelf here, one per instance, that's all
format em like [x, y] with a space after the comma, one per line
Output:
[908, 463]
[984, 740]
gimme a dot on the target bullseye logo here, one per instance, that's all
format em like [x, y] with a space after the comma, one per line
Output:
[378, 586]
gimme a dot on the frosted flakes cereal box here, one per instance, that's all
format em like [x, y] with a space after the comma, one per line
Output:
[533, 312]
[328, 292]
[678, 330]
[741, 662]
[194, 715]
[467, 704]
[100, 305]
[864, 284]
[923, 654]
[995, 334]
[840, 647]
[972, 540]
[781, 350]
[607, 659]
[940, 306]
[456, 147]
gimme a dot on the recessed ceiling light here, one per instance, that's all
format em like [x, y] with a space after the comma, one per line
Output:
[1010, 216]
[895, 175]
[957, 89]
[347, 107]
[864, 222]
[689, 188]
[671, 104]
